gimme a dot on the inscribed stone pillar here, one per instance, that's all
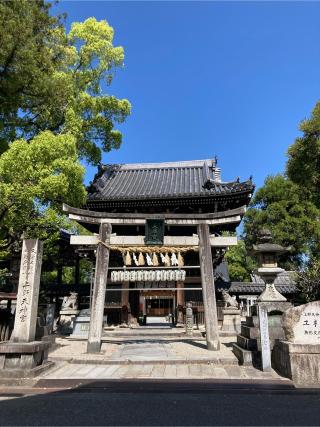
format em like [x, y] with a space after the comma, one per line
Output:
[208, 289]
[28, 291]
[99, 290]
[264, 338]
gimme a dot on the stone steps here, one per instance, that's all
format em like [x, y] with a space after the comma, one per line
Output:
[246, 357]
[247, 343]
[98, 360]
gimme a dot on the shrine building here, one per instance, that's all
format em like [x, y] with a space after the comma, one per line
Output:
[160, 231]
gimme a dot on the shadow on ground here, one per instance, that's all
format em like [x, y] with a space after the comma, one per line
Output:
[161, 403]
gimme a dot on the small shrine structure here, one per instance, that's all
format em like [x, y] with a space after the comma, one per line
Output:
[159, 233]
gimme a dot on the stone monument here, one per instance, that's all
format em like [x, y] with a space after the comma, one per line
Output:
[231, 323]
[68, 313]
[298, 356]
[22, 356]
[248, 348]
[81, 324]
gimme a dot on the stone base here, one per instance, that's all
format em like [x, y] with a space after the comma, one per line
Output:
[25, 373]
[81, 326]
[180, 325]
[272, 306]
[231, 320]
[248, 347]
[299, 362]
[66, 320]
[18, 360]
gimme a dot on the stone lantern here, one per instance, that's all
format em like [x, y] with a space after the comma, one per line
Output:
[267, 254]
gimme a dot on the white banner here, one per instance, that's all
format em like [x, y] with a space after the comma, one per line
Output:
[148, 275]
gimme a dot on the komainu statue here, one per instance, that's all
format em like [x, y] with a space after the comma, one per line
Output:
[70, 302]
[228, 300]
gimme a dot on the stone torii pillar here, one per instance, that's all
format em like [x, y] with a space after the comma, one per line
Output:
[208, 289]
[99, 290]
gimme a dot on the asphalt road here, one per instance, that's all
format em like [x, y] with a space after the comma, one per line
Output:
[162, 404]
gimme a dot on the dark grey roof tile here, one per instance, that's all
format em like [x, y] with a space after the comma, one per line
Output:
[162, 180]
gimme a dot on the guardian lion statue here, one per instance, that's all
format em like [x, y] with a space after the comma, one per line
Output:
[70, 302]
[228, 300]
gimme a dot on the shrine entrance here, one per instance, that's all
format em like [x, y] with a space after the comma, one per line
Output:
[159, 223]
[159, 306]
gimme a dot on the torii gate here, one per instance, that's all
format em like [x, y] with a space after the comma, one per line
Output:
[203, 240]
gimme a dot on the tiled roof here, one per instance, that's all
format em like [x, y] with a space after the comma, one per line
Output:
[197, 178]
[284, 278]
[257, 288]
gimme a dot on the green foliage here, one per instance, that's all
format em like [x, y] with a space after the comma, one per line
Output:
[86, 267]
[27, 61]
[308, 282]
[303, 166]
[281, 206]
[240, 264]
[35, 178]
[51, 80]
[68, 277]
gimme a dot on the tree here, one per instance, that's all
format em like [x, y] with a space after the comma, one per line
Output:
[26, 61]
[308, 282]
[303, 166]
[293, 219]
[35, 178]
[51, 80]
[240, 264]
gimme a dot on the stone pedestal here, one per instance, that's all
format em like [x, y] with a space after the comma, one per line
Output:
[23, 360]
[81, 324]
[299, 362]
[231, 323]
[23, 356]
[248, 346]
[66, 321]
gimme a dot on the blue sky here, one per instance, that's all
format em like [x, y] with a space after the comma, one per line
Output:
[231, 79]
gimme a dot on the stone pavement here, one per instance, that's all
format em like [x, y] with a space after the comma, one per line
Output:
[147, 358]
[144, 350]
[66, 370]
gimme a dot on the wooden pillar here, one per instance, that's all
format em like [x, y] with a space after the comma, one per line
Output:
[180, 293]
[99, 290]
[77, 270]
[180, 303]
[125, 294]
[208, 289]
[124, 302]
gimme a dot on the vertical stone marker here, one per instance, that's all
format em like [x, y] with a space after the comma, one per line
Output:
[208, 289]
[28, 291]
[99, 289]
[264, 338]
